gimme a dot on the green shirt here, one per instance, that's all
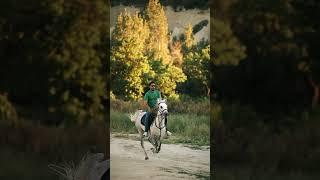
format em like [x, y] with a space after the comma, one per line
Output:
[151, 97]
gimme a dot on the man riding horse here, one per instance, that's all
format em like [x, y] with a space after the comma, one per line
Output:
[150, 102]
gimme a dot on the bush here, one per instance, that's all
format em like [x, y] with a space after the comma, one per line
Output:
[189, 106]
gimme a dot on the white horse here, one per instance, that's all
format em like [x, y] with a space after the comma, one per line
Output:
[157, 129]
[91, 167]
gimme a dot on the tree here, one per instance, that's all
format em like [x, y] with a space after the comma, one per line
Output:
[77, 78]
[128, 62]
[176, 53]
[227, 48]
[167, 77]
[196, 66]
[166, 74]
[278, 36]
[228, 52]
[158, 41]
[140, 53]
[23, 51]
[188, 37]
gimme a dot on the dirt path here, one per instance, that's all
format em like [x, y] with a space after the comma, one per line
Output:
[173, 162]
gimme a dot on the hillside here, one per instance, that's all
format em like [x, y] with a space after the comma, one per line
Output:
[176, 20]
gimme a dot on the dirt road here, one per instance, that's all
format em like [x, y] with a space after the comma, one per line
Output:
[174, 161]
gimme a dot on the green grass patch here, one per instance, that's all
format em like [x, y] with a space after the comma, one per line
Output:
[120, 122]
[190, 128]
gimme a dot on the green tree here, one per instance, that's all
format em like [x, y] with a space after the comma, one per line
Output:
[129, 65]
[196, 66]
[227, 48]
[77, 78]
[167, 77]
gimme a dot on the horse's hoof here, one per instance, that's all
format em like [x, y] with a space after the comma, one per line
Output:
[146, 158]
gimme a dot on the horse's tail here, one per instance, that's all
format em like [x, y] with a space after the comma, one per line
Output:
[133, 117]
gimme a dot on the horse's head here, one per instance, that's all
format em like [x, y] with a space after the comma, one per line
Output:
[162, 106]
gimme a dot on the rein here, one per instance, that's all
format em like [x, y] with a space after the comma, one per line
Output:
[161, 116]
[155, 123]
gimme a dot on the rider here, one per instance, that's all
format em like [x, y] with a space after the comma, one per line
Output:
[150, 101]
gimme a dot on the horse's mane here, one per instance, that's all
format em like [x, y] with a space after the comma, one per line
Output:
[161, 101]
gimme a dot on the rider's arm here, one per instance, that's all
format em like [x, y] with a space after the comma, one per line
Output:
[145, 102]
[146, 106]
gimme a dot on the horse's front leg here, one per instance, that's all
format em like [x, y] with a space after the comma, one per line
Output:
[142, 145]
[159, 147]
[154, 149]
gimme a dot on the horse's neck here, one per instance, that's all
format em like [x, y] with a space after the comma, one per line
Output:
[159, 120]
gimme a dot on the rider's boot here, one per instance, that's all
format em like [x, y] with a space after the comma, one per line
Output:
[145, 134]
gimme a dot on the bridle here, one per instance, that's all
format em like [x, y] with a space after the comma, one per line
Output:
[162, 117]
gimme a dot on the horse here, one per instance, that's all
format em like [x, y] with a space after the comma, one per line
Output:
[157, 129]
[93, 166]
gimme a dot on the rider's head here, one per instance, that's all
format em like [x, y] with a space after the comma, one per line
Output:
[152, 85]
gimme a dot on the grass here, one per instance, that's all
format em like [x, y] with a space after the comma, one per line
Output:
[120, 122]
[190, 129]
[187, 128]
